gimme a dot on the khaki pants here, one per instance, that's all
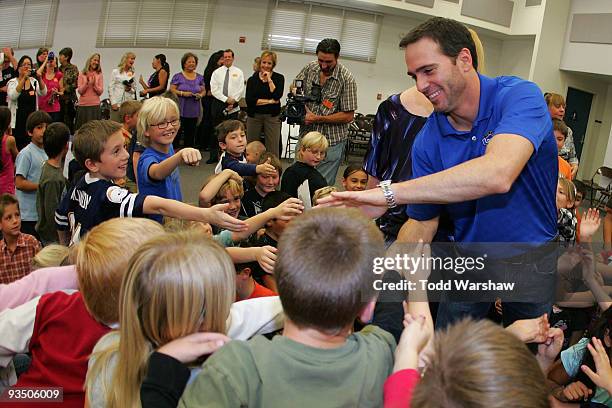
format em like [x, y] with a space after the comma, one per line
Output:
[271, 127]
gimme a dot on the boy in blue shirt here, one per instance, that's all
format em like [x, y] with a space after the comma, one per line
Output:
[28, 167]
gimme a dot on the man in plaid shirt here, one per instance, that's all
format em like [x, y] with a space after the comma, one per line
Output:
[334, 111]
[16, 248]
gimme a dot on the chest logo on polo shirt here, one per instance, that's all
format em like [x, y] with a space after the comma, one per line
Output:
[487, 138]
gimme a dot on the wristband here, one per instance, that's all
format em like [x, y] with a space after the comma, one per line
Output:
[385, 186]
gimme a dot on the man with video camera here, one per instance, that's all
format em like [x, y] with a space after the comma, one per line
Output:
[332, 103]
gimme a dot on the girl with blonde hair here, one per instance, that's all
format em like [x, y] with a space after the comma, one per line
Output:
[176, 285]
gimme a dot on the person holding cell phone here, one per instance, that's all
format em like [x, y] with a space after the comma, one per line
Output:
[54, 82]
[22, 95]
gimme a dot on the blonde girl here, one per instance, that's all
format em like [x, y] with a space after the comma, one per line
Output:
[176, 285]
[311, 151]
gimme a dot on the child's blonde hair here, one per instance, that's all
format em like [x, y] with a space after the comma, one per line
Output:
[230, 185]
[51, 255]
[102, 258]
[569, 188]
[312, 140]
[129, 107]
[154, 110]
[322, 192]
[176, 284]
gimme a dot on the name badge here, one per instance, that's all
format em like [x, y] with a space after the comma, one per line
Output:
[31, 93]
[328, 104]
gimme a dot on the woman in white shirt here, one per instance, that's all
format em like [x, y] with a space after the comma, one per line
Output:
[22, 98]
[122, 85]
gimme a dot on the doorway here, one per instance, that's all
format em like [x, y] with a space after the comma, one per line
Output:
[577, 113]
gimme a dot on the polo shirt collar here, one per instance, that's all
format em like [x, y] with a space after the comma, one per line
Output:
[488, 88]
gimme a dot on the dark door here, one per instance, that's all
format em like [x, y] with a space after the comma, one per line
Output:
[577, 115]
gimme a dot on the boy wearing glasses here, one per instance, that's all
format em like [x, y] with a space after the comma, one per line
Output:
[157, 174]
[311, 152]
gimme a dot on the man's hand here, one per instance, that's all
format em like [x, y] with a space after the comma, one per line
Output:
[115, 106]
[193, 346]
[191, 156]
[371, 202]
[603, 377]
[531, 330]
[310, 117]
[230, 101]
[266, 169]
[266, 258]
[288, 209]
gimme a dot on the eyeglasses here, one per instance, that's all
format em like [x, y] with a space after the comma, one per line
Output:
[164, 125]
[319, 153]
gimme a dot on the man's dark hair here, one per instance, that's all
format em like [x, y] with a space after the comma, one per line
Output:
[274, 199]
[66, 52]
[450, 35]
[229, 50]
[329, 46]
[36, 118]
[55, 138]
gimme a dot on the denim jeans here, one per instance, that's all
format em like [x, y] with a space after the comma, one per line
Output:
[330, 165]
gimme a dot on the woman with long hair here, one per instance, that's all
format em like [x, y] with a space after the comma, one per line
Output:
[54, 81]
[158, 81]
[263, 93]
[22, 97]
[188, 85]
[122, 86]
[90, 87]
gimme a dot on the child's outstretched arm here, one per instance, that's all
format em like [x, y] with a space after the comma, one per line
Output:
[265, 256]
[177, 209]
[188, 155]
[210, 190]
[284, 211]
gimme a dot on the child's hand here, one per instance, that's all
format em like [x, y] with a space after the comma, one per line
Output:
[576, 391]
[288, 209]
[216, 216]
[191, 156]
[193, 346]
[589, 269]
[266, 258]
[589, 224]
[531, 330]
[603, 377]
[266, 169]
[549, 349]
[414, 338]
[232, 175]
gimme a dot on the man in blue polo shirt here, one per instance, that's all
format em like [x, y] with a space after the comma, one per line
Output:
[487, 155]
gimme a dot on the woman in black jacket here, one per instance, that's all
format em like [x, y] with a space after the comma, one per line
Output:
[263, 93]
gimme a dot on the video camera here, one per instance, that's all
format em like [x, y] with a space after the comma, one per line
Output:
[295, 110]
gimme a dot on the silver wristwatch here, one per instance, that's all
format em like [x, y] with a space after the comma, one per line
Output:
[385, 186]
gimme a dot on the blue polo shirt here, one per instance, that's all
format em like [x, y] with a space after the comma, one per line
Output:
[527, 213]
